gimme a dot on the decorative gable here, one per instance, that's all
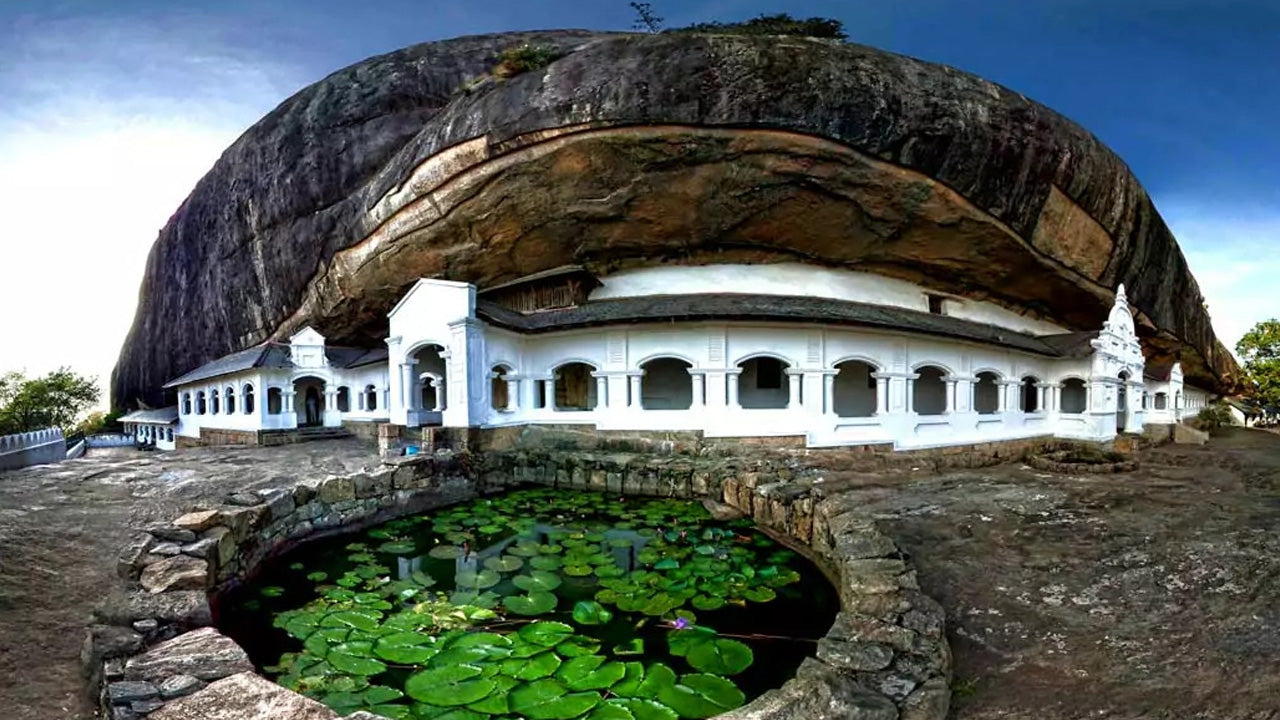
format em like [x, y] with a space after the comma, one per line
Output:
[306, 349]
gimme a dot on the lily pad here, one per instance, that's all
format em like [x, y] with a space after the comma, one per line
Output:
[504, 563]
[720, 656]
[590, 672]
[547, 699]
[701, 696]
[398, 547]
[644, 709]
[449, 686]
[544, 633]
[534, 603]
[545, 562]
[471, 580]
[445, 552]
[590, 612]
[538, 580]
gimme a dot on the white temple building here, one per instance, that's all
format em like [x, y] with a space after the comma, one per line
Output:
[837, 357]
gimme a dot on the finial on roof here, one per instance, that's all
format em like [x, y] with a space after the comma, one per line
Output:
[1120, 296]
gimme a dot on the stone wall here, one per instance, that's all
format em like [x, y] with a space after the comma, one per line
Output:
[32, 448]
[886, 656]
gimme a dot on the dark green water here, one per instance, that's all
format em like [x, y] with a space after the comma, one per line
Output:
[540, 604]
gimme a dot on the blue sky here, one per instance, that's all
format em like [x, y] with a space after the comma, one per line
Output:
[111, 110]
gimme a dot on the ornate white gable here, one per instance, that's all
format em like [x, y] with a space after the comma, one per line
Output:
[306, 349]
[1117, 349]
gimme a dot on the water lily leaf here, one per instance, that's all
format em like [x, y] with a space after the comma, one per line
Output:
[476, 580]
[459, 656]
[448, 686]
[271, 591]
[610, 711]
[577, 646]
[657, 677]
[405, 648]
[610, 571]
[644, 709]
[422, 711]
[720, 656]
[544, 664]
[545, 562]
[392, 712]
[590, 672]
[534, 603]
[354, 664]
[538, 580]
[525, 549]
[545, 633]
[300, 626]
[629, 685]
[504, 563]
[297, 566]
[634, 647]
[398, 547]
[445, 552]
[547, 699]
[318, 576]
[590, 612]
[578, 570]
[493, 644]
[701, 696]
[708, 602]
[362, 619]
[681, 642]
[379, 694]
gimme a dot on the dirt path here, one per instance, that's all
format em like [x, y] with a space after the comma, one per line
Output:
[1149, 595]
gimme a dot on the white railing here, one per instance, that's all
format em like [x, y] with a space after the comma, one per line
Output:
[27, 440]
[32, 448]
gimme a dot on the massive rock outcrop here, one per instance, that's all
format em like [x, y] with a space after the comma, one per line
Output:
[633, 150]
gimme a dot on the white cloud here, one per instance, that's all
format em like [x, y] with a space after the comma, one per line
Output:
[1231, 251]
[93, 161]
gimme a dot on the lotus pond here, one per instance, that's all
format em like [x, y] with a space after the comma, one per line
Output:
[537, 604]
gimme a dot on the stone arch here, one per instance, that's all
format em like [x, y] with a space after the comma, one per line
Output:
[929, 390]
[309, 400]
[854, 389]
[666, 383]
[1029, 394]
[986, 392]
[574, 389]
[499, 389]
[1075, 396]
[430, 370]
[762, 382]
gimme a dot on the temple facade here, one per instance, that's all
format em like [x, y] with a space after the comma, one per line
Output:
[836, 357]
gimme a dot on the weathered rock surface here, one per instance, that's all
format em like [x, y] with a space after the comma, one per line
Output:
[243, 697]
[635, 150]
[204, 654]
[178, 572]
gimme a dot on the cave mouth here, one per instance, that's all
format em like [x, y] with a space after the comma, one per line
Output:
[537, 602]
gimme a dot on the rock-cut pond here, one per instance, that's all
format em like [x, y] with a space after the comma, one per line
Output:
[538, 604]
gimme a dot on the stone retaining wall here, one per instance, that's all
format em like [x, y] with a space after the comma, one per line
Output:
[150, 651]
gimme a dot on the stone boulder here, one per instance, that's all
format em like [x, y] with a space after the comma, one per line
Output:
[177, 572]
[1184, 434]
[204, 654]
[633, 150]
[245, 696]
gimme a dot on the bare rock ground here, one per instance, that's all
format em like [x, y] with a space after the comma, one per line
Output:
[1153, 594]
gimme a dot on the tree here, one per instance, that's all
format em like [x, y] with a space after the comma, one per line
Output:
[55, 400]
[646, 19]
[1259, 350]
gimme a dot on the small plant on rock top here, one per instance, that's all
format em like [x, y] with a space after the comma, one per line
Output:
[523, 58]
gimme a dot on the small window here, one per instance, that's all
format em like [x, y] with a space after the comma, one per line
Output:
[768, 373]
[937, 304]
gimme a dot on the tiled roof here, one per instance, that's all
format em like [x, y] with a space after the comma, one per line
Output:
[276, 355]
[726, 306]
[163, 416]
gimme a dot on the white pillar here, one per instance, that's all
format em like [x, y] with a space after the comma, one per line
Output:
[513, 392]
[952, 389]
[633, 387]
[882, 395]
[602, 392]
[911, 393]
[793, 390]
[715, 387]
[733, 403]
[408, 398]
[699, 389]
[829, 394]
[549, 393]
[440, 385]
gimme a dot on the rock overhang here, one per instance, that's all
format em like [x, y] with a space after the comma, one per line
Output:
[634, 150]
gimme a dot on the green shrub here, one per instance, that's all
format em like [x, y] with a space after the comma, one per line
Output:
[780, 24]
[1213, 417]
[523, 58]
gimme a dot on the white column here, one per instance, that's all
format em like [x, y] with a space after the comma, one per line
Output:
[714, 384]
[882, 394]
[513, 392]
[793, 390]
[952, 389]
[699, 389]
[440, 385]
[733, 403]
[911, 393]
[408, 398]
[829, 394]
[633, 388]
[602, 392]
[549, 393]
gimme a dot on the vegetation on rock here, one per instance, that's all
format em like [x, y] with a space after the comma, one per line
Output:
[54, 400]
[779, 24]
[537, 604]
[523, 58]
[1213, 417]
